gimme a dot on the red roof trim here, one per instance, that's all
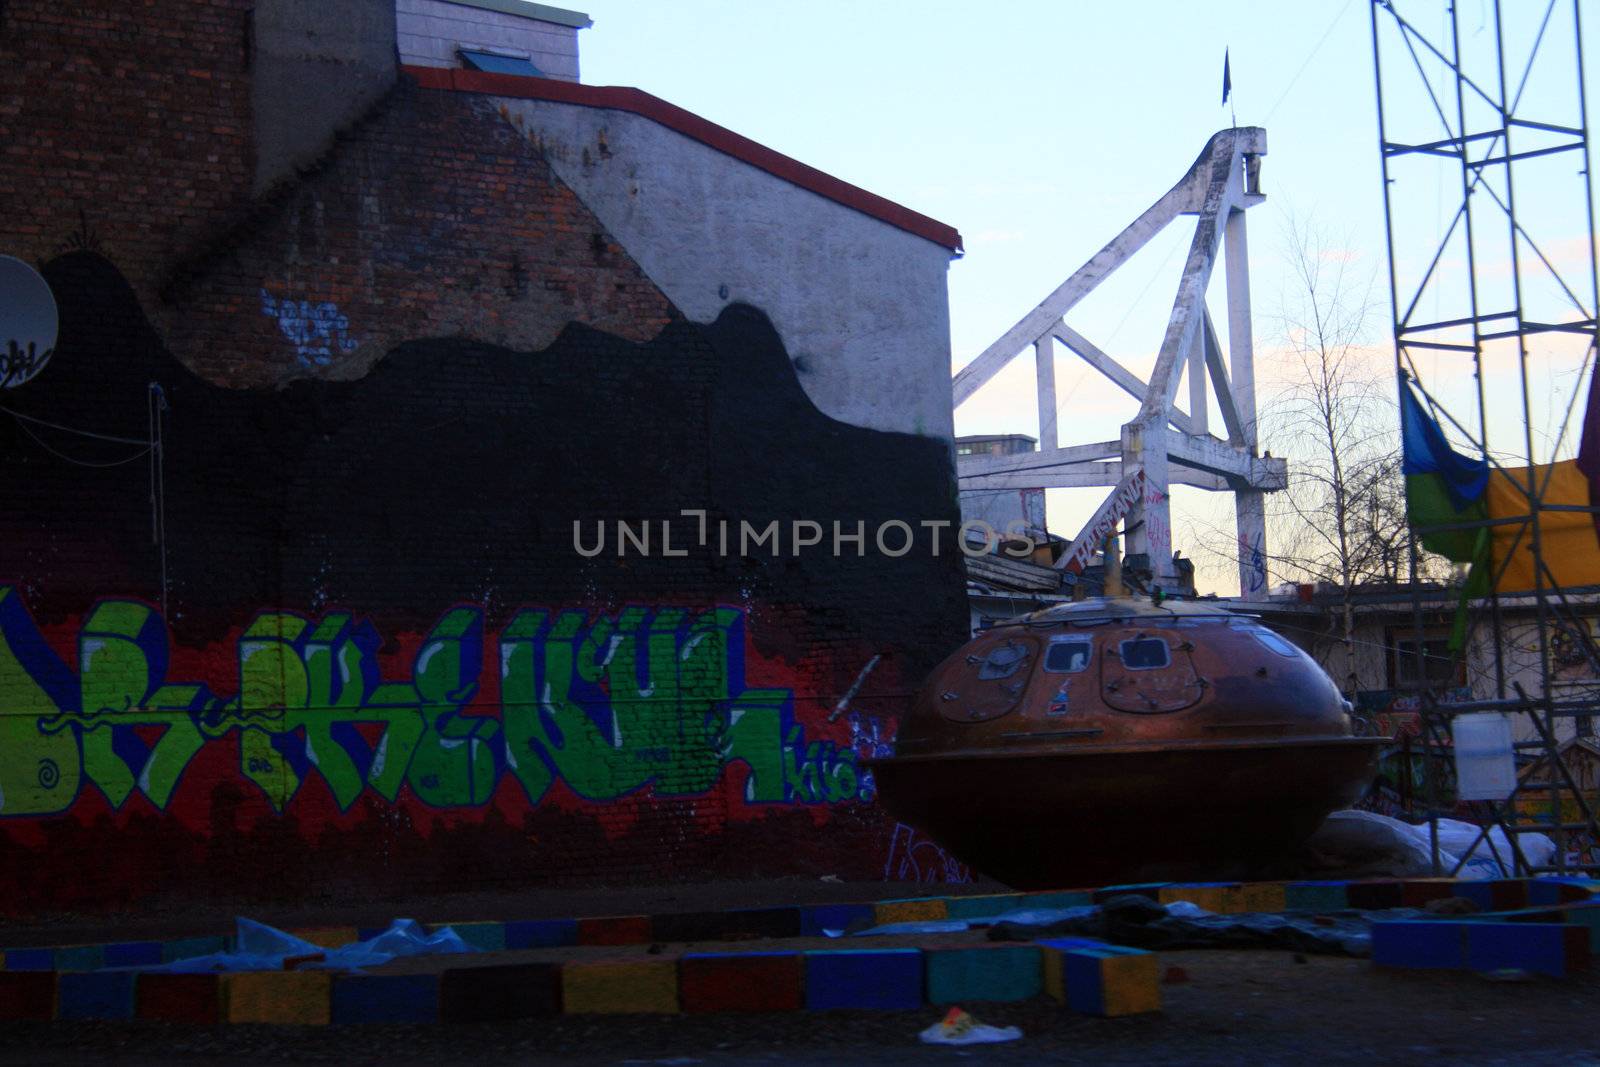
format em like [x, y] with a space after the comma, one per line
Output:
[619, 98]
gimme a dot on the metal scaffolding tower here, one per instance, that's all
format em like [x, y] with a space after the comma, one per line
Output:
[1482, 125]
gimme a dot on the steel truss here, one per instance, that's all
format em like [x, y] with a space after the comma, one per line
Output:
[1488, 139]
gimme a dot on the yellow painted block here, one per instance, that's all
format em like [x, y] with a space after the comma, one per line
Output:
[1050, 962]
[298, 997]
[910, 911]
[327, 936]
[1262, 896]
[619, 986]
[1132, 984]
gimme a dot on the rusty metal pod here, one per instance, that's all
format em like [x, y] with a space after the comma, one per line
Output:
[1115, 739]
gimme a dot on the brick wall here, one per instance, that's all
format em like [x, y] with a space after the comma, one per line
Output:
[333, 635]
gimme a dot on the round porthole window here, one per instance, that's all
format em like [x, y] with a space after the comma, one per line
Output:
[28, 322]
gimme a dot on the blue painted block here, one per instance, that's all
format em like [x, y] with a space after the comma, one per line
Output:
[1561, 890]
[30, 959]
[864, 979]
[1540, 948]
[386, 998]
[1436, 945]
[987, 972]
[541, 933]
[485, 937]
[188, 947]
[817, 918]
[95, 995]
[133, 954]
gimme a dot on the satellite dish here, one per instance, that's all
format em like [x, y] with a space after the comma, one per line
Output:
[28, 322]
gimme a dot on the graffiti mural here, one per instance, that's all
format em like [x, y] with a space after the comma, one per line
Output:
[317, 331]
[610, 705]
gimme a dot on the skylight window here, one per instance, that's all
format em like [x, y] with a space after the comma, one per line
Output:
[493, 64]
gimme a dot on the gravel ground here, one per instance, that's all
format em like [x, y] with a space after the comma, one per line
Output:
[1234, 1006]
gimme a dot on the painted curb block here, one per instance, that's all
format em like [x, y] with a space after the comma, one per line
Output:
[752, 924]
[541, 933]
[1496, 895]
[1058, 898]
[327, 936]
[486, 937]
[982, 973]
[500, 992]
[755, 981]
[1316, 896]
[96, 995]
[1417, 892]
[31, 959]
[179, 998]
[133, 954]
[985, 907]
[615, 930]
[297, 997]
[1105, 980]
[612, 986]
[386, 998]
[1420, 944]
[185, 948]
[814, 920]
[864, 979]
[1376, 894]
[922, 910]
[80, 957]
[1136, 889]
[1552, 949]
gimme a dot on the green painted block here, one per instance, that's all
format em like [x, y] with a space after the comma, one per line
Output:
[985, 907]
[1062, 898]
[1316, 896]
[982, 973]
[80, 957]
[487, 937]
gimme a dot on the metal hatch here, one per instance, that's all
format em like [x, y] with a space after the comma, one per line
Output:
[1148, 671]
[989, 680]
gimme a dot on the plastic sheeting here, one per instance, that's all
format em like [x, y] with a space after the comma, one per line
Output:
[258, 947]
[1377, 844]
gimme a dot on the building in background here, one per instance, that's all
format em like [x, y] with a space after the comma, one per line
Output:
[358, 363]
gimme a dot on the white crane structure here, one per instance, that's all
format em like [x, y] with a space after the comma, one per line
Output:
[1162, 445]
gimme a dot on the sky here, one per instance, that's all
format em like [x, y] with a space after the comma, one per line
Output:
[1040, 129]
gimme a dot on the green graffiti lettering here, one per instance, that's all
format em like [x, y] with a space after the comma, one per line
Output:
[40, 769]
[122, 666]
[612, 705]
[455, 762]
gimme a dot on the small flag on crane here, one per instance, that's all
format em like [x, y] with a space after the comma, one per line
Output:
[1227, 79]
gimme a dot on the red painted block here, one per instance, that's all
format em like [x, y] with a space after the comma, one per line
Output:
[753, 981]
[1416, 892]
[27, 995]
[179, 998]
[615, 930]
